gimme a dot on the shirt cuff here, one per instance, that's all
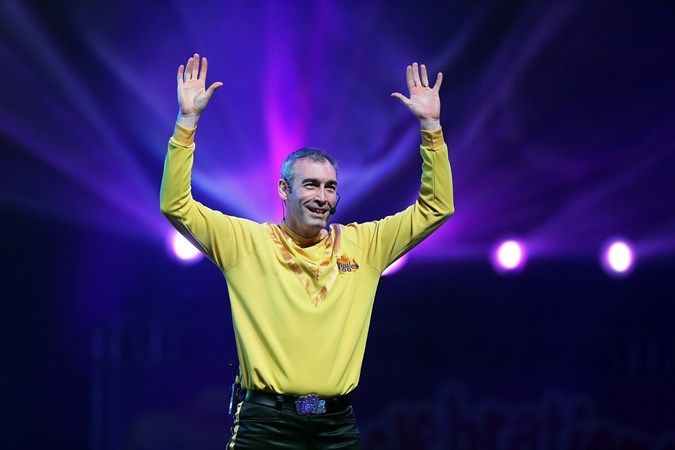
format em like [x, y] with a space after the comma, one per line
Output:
[182, 136]
[433, 140]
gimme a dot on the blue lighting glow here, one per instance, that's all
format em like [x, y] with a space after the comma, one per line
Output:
[537, 120]
[560, 122]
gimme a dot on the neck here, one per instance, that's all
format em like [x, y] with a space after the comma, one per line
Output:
[303, 241]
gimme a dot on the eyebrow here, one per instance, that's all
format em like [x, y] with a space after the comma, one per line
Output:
[316, 181]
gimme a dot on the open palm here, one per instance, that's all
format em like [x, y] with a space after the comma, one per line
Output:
[424, 101]
[192, 93]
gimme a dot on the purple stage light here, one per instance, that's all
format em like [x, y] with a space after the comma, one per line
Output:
[509, 256]
[182, 250]
[311, 92]
[617, 258]
[396, 266]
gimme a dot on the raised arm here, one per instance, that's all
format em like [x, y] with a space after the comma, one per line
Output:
[424, 101]
[395, 235]
[192, 93]
[195, 221]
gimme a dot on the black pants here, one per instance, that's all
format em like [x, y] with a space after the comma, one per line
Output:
[262, 427]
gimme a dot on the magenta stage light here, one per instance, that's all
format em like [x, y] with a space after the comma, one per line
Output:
[617, 258]
[536, 134]
[509, 256]
[182, 250]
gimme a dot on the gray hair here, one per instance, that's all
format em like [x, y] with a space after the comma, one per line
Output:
[313, 154]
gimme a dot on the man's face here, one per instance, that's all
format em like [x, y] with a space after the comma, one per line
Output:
[310, 198]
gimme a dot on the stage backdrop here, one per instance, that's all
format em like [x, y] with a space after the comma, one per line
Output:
[560, 122]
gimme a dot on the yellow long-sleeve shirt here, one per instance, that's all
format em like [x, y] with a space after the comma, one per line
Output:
[301, 309]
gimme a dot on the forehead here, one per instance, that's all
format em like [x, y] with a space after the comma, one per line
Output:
[319, 170]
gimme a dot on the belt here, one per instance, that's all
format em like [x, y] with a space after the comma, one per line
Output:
[307, 404]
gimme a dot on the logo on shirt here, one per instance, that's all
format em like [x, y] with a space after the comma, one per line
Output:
[346, 264]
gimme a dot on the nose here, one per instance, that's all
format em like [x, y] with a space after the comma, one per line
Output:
[321, 195]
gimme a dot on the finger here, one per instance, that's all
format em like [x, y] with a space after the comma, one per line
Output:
[409, 77]
[188, 69]
[181, 71]
[205, 68]
[439, 80]
[416, 75]
[195, 67]
[425, 79]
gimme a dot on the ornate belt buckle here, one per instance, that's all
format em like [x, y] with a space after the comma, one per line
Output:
[310, 404]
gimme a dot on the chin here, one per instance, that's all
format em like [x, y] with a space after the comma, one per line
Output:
[317, 225]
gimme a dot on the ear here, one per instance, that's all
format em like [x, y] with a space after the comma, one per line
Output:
[283, 189]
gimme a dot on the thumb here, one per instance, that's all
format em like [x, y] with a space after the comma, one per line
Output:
[402, 98]
[213, 88]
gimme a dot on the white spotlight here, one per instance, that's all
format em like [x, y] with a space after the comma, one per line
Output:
[617, 258]
[183, 250]
[396, 266]
[509, 256]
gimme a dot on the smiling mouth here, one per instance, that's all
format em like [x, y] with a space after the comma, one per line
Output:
[317, 210]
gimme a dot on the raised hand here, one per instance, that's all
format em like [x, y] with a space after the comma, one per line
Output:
[424, 101]
[192, 93]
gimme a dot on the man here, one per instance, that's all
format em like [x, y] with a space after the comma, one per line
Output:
[301, 292]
